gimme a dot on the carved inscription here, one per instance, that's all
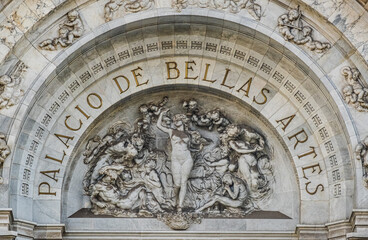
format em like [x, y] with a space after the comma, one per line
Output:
[298, 138]
[191, 71]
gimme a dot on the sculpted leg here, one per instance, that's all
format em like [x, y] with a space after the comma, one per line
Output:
[185, 171]
[208, 204]
[176, 174]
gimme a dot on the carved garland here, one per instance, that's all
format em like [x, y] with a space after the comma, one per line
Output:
[294, 30]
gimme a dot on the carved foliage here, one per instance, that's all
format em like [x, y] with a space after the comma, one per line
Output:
[164, 166]
[293, 29]
[69, 31]
[131, 6]
[10, 92]
[361, 152]
[355, 93]
[234, 6]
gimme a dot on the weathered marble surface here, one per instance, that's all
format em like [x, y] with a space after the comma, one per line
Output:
[304, 84]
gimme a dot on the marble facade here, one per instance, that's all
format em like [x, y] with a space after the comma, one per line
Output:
[183, 119]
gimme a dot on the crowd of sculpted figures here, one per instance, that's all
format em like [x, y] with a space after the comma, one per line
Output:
[292, 29]
[190, 162]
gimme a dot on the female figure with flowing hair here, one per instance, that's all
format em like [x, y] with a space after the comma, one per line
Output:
[181, 158]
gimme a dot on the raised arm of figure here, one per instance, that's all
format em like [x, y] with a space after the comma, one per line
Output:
[159, 123]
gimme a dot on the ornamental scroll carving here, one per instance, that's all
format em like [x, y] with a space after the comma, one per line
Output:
[4, 152]
[294, 30]
[69, 31]
[178, 167]
[361, 152]
[129, 6]
[355, 93]
[234, 6]
[10, 90]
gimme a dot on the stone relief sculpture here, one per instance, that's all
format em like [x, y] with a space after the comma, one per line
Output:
[234, 6]
[178, 167]
[355, 93]
[131, 6]
[4, 152]
[361, 152]
[293, 29]
[71, 29]
[10, 91]
[9, 33]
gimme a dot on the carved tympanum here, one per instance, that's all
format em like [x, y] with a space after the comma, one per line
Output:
[178, 167]
[10, 90]
[234, 6]
[71, 29]
[294, 30]
[4, 151]
[361, 152]
[131, 6]
[355, 93]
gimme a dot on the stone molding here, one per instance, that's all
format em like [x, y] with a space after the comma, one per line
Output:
[355, 228]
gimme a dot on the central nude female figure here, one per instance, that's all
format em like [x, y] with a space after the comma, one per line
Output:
[181, 158]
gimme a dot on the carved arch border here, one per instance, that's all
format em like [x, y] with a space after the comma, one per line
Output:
[89, 40]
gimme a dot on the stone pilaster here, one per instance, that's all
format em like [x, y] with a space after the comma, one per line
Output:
[338, 230]
[6, 219]
[359, 222]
